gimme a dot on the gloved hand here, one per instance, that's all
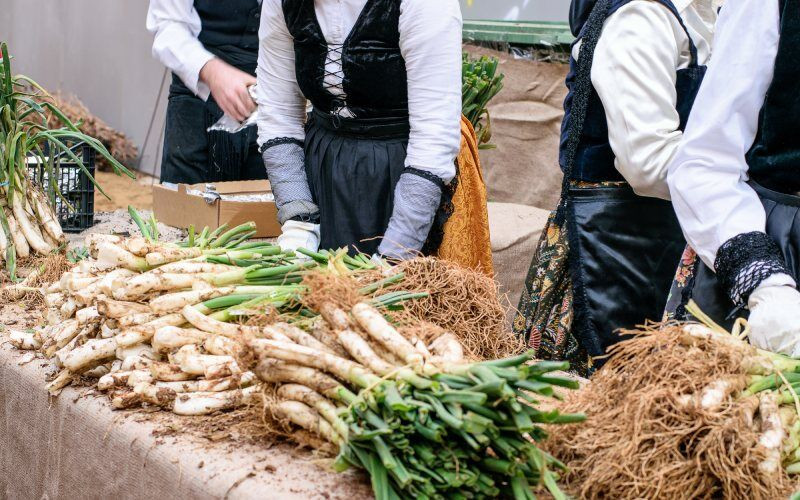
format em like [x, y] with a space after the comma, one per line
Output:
[775, 318]
[299, 235]
[416, 200]
[285, 164]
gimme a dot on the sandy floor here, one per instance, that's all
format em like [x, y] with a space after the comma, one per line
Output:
[124, 191]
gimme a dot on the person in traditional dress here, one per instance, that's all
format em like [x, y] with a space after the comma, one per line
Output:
[608, 254]
[211, 47]
[372, 166]
[736, 177]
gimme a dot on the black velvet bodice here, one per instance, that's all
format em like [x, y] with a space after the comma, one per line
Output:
[374, 71]
[774, 159]
[230, 30]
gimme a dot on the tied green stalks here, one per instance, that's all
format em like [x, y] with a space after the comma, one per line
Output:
[481, 82]
[458, 431]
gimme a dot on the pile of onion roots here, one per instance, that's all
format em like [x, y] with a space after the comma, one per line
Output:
[685, 411]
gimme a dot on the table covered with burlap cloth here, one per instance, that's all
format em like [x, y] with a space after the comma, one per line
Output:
[75, 446]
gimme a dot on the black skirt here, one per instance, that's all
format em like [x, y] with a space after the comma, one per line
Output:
[353, 167]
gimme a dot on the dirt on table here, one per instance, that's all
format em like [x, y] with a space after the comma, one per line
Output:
[124, 191]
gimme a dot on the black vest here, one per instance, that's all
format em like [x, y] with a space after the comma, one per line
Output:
[230, 30]
[774, 159]
[595, 160]
[375, 81]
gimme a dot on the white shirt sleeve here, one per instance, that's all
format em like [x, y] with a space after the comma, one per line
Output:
[430, 42]
[281, 104]
[176, 26]
[634, 74]
[708, 178]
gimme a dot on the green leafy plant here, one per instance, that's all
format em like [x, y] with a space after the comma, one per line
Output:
[28, 221]
[481, 83]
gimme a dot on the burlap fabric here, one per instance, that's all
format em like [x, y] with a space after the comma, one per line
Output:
[526, 126]
[75, 447]
[515, 234]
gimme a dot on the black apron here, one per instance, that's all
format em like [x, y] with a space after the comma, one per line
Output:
[355, 158]
[623, 247]
[353, 167]
[191, 154]
[783, 226]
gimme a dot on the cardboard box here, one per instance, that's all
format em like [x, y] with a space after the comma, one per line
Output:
[181, 209]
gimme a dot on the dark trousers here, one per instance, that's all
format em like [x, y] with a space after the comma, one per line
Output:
[192, 155]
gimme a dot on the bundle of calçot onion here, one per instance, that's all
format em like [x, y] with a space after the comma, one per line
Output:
[28, 223]
[156, 322]
[686, 411]
[423, 423]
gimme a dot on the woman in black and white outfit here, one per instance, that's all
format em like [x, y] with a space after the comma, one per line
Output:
[368, 168]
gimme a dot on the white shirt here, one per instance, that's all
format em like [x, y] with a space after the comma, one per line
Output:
[708, 179]
[430, 42]
[176, 26]
[634, 72]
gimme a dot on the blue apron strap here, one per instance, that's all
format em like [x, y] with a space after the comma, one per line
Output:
[692, 47]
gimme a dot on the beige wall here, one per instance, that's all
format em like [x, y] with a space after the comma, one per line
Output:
[98, 50]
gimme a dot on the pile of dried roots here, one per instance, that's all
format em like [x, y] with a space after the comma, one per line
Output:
[462, 301]
[670, 418]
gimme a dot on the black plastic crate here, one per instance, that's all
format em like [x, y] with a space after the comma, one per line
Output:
[73, 183]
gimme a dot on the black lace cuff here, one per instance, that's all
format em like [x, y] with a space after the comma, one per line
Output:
[278, 141]
[745, 261]
[425, 175]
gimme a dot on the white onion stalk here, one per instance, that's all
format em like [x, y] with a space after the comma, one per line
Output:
[54, 300]
[211, 325]
[79, 339]
[174, 302]
[88, 354]
[125, 400]
[21, 246]
[136, 363]
[772, 433]
[219, 385]
[46, 215]
[34, 239]
[378, 328]
[205, 403]
[138, 246]
[168, 338]
[98, 371]
[167, 255]
[302, 394]
[136, 319]
[113, 280]
[300, 337]
[222, 346]
[107, 331]
[112, 254]
[158, 396]
[63, 379]
[307, 418]
[448, 349]
[193, 267]
[116, 309]
[23, 340]
[192, 361]
[167, 372]
[3, 243]
[61, 336]
[93, 241]
[69, 308]
[87, 315]
[222, 370]
[281, 372]
[140, 350]
[143, 333]
[124, 379]
[140, 285]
